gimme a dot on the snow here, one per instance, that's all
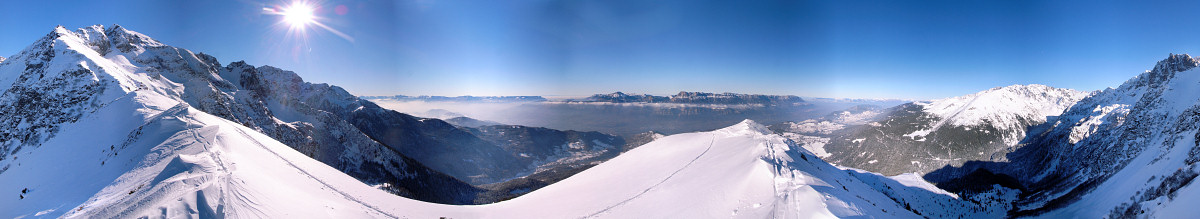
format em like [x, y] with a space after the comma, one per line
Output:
[142, 151]
[813, 144]
[1002, 107]
[743, 170]
[1162, 153]
[915, 180]
[919, 135]
[850, 118]
[814, 127]
[1091, 124]
[186, 163]
[181, 163]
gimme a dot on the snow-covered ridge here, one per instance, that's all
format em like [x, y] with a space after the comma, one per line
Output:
[744, 171]
[66, 75]
[1126, 152]
[1006, 108]
[1003, 105]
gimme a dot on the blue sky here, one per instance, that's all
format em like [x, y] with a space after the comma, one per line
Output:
[863, 49]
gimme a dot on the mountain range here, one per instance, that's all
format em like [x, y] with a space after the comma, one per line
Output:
[697, 98]
[926, 135]
[110, 123]
[481, 99]
[68, 75]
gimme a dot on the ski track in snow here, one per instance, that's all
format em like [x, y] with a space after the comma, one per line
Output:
[685, 166]
[306, 173]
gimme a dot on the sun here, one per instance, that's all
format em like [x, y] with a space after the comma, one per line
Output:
[298, 15]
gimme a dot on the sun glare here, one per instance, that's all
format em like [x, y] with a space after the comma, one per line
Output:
[299, 15]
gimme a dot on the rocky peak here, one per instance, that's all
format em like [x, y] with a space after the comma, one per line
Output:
[1163, 71]
[1176, 63]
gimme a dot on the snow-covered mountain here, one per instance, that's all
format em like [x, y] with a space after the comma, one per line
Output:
[138, 156]
[927, 135]
[1124, 152]
[176, 161]
[105, 122]
[742, 171]
[620, 97]
[68, 74]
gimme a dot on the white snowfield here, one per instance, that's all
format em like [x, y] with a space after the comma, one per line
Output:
[184, 163]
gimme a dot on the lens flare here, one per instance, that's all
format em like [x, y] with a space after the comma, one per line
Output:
[298, 16]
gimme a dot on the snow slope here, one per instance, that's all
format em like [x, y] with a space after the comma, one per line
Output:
[741, 171]
[181, 162]
[1130, 151]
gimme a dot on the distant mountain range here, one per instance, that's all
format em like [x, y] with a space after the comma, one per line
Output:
[469, 99]
[619, 97]
[696, 98]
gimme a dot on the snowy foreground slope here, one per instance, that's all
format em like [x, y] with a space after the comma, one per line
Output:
[740, 171]
[179, 162]
[184, 162]
[87, 132]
